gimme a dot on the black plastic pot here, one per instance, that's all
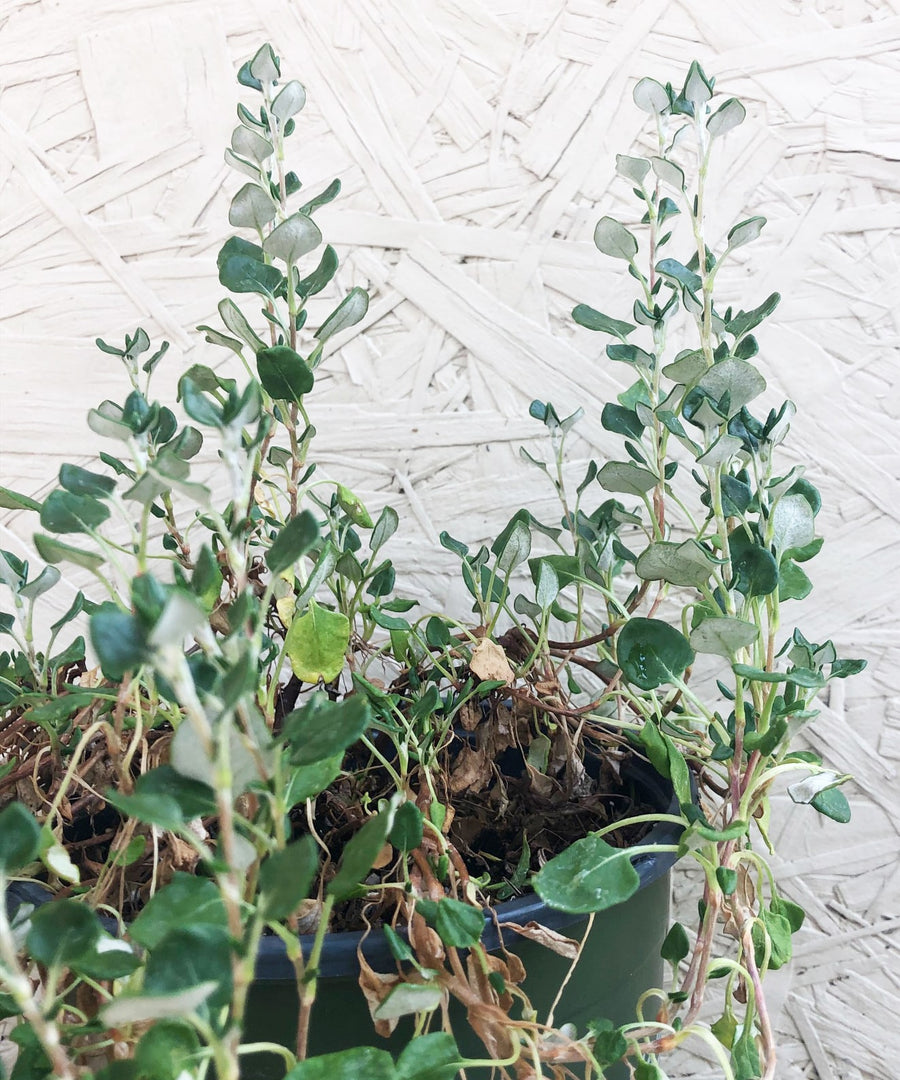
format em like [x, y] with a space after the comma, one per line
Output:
[620, 960]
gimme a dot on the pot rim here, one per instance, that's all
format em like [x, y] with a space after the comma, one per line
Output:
[338, 958]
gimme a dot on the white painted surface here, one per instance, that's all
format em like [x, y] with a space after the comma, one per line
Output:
[476, 143]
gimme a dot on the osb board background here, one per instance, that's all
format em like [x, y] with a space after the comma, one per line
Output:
[476, 140]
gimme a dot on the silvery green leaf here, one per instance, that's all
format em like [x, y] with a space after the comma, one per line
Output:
[348, 312]
[680, 564]
[126, 1009]
[644, 414]
[45, 580]
[692, 305]
[295, 237]
[727, 116]
[516, 549]
[242, 166]
[780, 430]
[106, 420]
[650, 96]
[250, 145]
[547, 586]
[745, 231]
[633, 168]
[723, 635]
[721, 451]
[234, 319]
[188, 756]
[290, 100]
[612, 238]
[804, 791]
[182, 617]
[251, 208]
[627, 477]
[740, 380]
[264, 65]
[792, 523]
[668, 172]
[325, 563]
[408, 998]
[697, 88]
[523, 606]
[687, 367]
[776, 488]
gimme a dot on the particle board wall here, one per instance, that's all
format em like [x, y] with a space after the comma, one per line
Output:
[476, 142]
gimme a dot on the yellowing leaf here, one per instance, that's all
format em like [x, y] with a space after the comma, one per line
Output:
[317, 642]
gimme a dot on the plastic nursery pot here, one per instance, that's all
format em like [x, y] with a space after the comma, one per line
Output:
[619, 961]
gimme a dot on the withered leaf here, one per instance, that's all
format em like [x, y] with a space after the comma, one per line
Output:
[550, 939]
[489, 662]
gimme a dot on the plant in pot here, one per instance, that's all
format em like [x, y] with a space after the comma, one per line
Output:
[283, 769]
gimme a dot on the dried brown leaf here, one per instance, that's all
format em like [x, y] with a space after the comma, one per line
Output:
[543, 935]
[471, 772]
[489, 662]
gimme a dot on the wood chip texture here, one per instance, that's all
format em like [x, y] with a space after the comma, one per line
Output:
[476, 142]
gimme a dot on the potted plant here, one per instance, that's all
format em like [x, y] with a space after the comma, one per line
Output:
[283, 768]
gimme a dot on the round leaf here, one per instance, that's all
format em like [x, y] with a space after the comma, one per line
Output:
[321, 730]
[724, 635]
[61, 931]
[612, 238]
[293, 238]
[20, 837]
[251, 208]
[650, 652]
[590, 875]
[316, 644]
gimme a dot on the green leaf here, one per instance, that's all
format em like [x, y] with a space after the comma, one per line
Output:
[797, 676]
[513, 546]
[43, 583]
[316, 644]
[676, 945]
[189, 957]
[723, 635]
[185, 900]
[626, 477]
[348, 312]
[793, 583]
[295, 237]
[679, 564]
[745, 321]
[792, 523]
[322, 729]
[745, 231]
[358, 1063]
[613, 239]
[294, 540]
[778, 930]
[755, 571]
[110, 958]
[265, 66]
[152, 809]
[119, 640]
[407, 831]
[197, 405]
[621, 420]
[326, 196]
[83, 482]
[832, 803]
[251, 208]
[650, 652]
[360, 854]
[353, 507]
[316, 281]
[284, 373]
[166, 1049]
[62, 931]
[286, 877]
[595, 320]
[20, 837]
[64, 512]
[307, 781]
[727, 879]
[236, 322]
[738, 379]
[250, 144]
[588, 876]
[240, 274]
[429, 1057]
[407, 998]
[194, 798]
[12, 500]
[459, 925]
